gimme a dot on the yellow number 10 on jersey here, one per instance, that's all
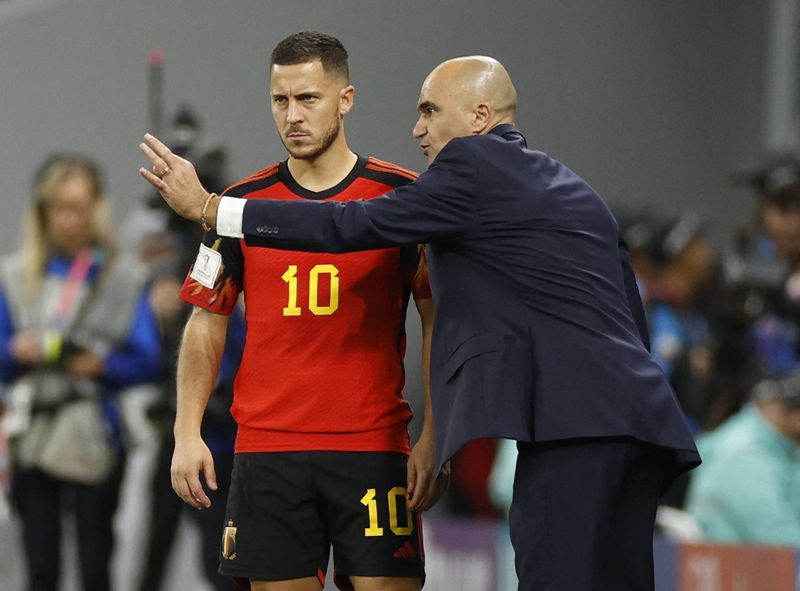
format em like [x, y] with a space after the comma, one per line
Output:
[290, 277]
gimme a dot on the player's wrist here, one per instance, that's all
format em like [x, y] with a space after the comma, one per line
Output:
[184, 430]
[208, 212]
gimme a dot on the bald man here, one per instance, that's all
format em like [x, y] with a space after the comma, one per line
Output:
[539, 333]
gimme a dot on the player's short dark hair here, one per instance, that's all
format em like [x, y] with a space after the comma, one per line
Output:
[308, 46]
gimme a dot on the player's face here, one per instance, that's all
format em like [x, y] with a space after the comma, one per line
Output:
[308, 107]
[443, 115]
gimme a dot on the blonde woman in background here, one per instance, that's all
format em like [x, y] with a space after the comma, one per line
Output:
[75, 329]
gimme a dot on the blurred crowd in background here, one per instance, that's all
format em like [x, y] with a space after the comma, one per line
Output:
[724, 326]
[90, 316]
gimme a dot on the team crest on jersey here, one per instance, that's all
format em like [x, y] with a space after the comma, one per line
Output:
[229, 541]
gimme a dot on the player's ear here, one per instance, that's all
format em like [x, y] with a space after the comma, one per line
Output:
[346, 96]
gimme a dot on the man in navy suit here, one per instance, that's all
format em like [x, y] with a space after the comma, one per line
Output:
[539, 334]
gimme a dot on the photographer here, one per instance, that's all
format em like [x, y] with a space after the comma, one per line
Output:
[674, 265]
[776, 333]
[75, 329]
[762, 276]
[746, 489]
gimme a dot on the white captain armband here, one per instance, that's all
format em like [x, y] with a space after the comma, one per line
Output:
[206, 266]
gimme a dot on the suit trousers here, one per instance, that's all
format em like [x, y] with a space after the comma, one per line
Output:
[583, 514]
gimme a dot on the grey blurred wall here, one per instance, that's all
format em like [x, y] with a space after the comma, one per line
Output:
[655, 103]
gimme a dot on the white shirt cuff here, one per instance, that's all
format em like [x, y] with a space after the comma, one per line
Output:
[229, 217]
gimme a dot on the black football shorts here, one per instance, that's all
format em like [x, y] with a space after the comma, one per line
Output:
[286, 509]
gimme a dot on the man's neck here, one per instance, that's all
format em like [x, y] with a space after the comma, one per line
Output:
[326, 170]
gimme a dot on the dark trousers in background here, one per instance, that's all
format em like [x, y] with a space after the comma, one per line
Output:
[166, 510]
[583, 514]
[40, 501]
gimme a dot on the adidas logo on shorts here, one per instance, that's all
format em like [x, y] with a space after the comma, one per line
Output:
[406, 551]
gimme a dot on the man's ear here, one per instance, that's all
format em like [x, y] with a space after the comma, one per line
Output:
[346, 96]
[480, 118]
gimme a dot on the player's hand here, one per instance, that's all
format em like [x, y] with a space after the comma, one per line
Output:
[174, 177]
[191, 460]
[422, 485]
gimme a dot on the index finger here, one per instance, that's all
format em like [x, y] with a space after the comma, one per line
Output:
[159, 148]
[414, 486]
[419, 498]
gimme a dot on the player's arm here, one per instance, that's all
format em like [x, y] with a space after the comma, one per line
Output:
[199, 360]
[424, 486]
[422, 461]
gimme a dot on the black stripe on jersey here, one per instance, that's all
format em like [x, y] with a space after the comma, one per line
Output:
[252, 186]
[281, 173]
[390, 179]
[379, 164]
[299, 190]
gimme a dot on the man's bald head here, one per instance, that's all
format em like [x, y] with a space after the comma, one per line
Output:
[477, 79]
[463, 96]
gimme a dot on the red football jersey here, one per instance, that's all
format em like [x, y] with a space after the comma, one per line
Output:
[322, 367]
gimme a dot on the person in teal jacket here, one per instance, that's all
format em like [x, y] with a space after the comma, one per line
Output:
[748, 488]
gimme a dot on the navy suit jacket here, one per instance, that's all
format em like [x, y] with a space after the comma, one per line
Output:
[539, 332]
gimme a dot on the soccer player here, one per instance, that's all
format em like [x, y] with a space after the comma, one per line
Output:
[322, 450]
